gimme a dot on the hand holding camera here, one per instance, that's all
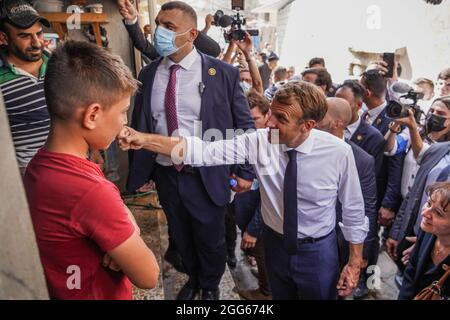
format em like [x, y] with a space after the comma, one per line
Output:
[245, 45]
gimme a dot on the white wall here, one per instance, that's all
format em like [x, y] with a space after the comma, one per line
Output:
[327, 28]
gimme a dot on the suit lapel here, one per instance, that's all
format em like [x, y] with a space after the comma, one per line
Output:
[359, 135]
[148, 89]
[208, 72]
[379, 121]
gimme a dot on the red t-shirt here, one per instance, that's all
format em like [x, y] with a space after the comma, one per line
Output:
[78, 216]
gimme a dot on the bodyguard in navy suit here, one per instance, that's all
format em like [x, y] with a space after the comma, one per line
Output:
[338, 116]
[360, 132]
[180, 90]
[372, 141]
[365, 164]
[389, 181]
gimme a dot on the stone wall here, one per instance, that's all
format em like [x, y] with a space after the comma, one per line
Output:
[21, 273]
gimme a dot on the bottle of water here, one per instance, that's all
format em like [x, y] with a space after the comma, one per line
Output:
[255, 184]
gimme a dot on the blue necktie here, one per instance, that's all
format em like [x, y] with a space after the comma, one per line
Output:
[290, 204]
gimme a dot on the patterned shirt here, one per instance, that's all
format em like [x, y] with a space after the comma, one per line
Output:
[25, 104]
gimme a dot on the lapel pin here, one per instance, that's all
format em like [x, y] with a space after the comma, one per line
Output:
[378, 121]
[212, 71]
[359, 137]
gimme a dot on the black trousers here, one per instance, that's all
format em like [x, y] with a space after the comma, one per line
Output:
[196, 225]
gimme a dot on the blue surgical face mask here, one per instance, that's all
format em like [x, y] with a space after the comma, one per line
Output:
[164, 41]
[245, 86]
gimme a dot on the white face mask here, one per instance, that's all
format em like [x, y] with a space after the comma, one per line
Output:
[245, 86]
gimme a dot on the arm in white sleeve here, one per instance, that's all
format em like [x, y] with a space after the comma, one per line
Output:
[355, 224]
[424, 149]
[238, 150]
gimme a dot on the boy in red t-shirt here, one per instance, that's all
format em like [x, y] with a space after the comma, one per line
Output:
[88, 241]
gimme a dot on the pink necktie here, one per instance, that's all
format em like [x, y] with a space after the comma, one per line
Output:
[171, 105]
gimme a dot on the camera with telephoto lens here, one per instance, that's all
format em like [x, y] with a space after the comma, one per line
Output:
[235, 22]
[396, 110]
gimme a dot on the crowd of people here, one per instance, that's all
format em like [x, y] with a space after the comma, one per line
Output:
[320, 181]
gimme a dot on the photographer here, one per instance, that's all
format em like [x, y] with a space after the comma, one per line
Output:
[245, 46]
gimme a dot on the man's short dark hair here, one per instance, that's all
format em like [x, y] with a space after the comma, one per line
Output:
[323, 77]
[445, 74]
[182, 6]
[256, 100]
[280, 73]
[375, 82]
[315, 61]
[80, 73]
[357, 89]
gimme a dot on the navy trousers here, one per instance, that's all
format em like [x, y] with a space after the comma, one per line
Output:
[196, 225]
[311, 274]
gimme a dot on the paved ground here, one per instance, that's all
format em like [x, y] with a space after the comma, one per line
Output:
[244, 278]
[154, 232]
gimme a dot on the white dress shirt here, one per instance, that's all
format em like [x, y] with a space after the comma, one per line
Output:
[326, 172]
[410, 167]
[188, 99]
[351, 129]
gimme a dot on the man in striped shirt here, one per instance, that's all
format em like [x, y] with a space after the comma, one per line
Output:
[23, 63]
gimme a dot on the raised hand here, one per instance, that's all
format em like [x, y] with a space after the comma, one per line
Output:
[127, 10]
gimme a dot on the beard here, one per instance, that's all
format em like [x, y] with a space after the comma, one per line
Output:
[30, 54]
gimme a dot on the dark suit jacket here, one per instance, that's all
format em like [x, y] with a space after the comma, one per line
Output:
[390, 178]
[372, 141]
[247, 210]
[365, 165]
[416, 276]
[203, 43]
[224, 106]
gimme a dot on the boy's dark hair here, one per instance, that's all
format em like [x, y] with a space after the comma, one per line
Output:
[81, 73]
[182, 6]
[256, 100]
[375, 82]
[316, 60]
[357, 89]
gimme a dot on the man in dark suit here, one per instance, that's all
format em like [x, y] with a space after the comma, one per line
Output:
[372, 141]
[203, 43]
[187, 92]
[338, 116]
[390, 173]
[360, 132]
[389, 181]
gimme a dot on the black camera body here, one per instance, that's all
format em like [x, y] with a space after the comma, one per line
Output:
[237, 21]
[396, 110]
